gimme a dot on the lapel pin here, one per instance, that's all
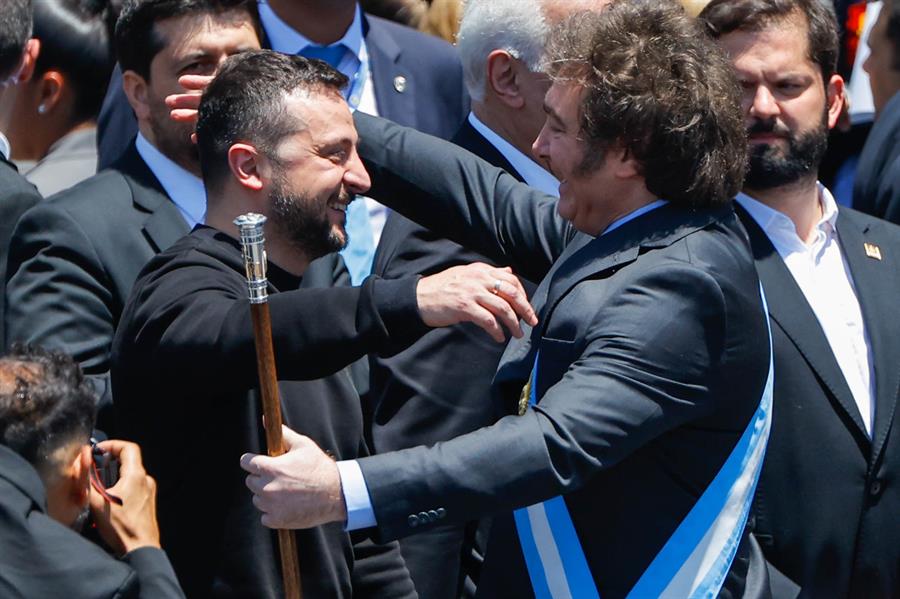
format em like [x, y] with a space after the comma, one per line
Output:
[872, 251]
[400, 83]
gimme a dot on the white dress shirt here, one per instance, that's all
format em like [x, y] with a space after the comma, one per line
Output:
[821, 272]
[182, 187]
[533, 173]
[360, 513]
[283, 38]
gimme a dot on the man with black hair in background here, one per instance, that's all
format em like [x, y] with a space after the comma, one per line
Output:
[17, 57]
[47, 410]
[828, 497]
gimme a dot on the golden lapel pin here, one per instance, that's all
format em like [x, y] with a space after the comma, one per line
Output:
[872, 251]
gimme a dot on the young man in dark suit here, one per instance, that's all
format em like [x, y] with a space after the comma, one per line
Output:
[74, 258]
[277, 138]
[647, 378]
[18, 54]
[828, 498]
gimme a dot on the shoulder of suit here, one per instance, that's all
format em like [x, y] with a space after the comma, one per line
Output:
[104, 192]
[865, 221]
[13, 183]
[424, 45]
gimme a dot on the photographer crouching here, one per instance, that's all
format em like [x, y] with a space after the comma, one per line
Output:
[50, 486]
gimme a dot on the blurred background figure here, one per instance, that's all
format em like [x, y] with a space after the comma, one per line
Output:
[52, 126]
[442, 19]
[405, 12]
[876, 189]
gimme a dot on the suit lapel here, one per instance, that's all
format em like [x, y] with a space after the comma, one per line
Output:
[164, 225]
[788, 307]
[658, 228]
[876, 283]
[383, 60]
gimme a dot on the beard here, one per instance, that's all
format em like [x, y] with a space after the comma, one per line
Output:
[769, 167]
[304, 222]
[174, 139]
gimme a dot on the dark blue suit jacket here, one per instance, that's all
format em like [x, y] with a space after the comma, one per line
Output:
[652, 361]
[433, 99]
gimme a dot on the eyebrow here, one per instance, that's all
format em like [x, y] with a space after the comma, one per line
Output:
[552, 113]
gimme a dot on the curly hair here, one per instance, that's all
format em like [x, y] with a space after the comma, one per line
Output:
[657, 85]
[45, 403]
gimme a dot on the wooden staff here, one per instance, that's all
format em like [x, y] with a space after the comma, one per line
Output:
[253, 243]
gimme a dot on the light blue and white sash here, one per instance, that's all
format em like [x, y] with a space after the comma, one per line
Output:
[694, 561]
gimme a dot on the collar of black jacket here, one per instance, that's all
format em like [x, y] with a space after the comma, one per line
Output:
[18, 472]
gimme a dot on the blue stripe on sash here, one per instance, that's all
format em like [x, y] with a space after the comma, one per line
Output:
[532, 558]
[683, 554]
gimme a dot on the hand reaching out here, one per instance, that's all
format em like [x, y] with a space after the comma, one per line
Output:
[477, 293]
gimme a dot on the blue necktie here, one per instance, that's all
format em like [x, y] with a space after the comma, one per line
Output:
[360, 251]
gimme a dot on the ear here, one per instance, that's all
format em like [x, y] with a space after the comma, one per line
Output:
[502, 79]
[78, 476]
[623, 163]
[248, 166]
[29, 60]
[51, 91]
[135, 88]
[835, 99]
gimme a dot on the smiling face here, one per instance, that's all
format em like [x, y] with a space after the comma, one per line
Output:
[788, 108]
[316, 174]
[587, 184]
[195, 45]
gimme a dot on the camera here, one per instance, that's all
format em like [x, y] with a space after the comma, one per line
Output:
[107, 466]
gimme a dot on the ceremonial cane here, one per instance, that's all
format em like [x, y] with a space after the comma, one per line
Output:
[253, 242]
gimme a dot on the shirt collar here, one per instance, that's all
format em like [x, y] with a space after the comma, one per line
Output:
[633, 215]
[5, 149]
[776, 223]
[533, 174]
[283, 38]
[184, 188]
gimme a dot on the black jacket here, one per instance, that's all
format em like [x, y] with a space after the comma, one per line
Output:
[41, 558]
[16, 196]
[828, 498]
[184, 376]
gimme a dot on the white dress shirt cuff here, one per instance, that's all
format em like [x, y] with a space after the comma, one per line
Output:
[356, 496]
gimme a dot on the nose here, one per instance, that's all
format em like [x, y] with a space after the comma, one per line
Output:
[763, 104]
[356, 177]
[866, 65]
[539, 148]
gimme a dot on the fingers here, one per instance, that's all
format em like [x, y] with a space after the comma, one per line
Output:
[194, 82]
[128, 454]
[500, 308]
[290, 439]
[252, 462]
[510, 289]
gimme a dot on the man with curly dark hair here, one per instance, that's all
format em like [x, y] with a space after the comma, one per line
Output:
[634, 415]
[47, 409]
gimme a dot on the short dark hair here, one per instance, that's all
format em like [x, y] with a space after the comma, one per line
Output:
[721, 17]
[74, 37]
[15, 29]
[45, 403]
[245, 102]
[658, 86]
[137, 41]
